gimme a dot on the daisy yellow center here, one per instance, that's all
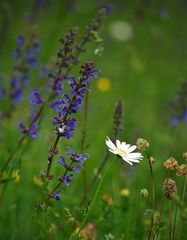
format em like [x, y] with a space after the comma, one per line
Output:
[121, 150]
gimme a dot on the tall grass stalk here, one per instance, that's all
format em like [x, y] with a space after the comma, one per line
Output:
[153, 196]
[96, 194]
[179, 230]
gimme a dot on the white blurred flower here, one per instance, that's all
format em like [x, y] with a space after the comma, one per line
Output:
[124, 150]
[121, 31]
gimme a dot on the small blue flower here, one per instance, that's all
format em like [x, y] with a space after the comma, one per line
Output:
[57, 195]
[59, 86]
[174, 120]
[77, 167]
[35, 97]
[33, 130]
[67, 179]
[184, 115]
[62, 161]
[2, 89]
[75, 156]
[20, 41]
[42, 71]
[70, 127]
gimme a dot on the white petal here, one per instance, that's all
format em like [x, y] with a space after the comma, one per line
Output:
[115, 152]
[133, 160]
[125, 146]
[126, 160]
[131, 149]
[110, 144]
[118, 144]
[135, 155]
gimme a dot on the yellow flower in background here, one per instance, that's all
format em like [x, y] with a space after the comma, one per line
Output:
[16, 175]
[124, 192]
[37, 181]
[78, 232]
[103, 84]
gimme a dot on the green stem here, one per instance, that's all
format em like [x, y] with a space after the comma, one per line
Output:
[153, 196]
[174, 223]
[8, 160]
[180, 214]
[96, 193]
[170, 221]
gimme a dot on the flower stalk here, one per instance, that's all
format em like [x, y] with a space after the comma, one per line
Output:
[153, 196]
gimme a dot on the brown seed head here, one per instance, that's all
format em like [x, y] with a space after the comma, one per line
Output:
[182, 170]
[169, 188]
[171, 164]
[142, 144]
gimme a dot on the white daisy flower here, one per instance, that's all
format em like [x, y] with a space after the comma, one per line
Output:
[125, 151]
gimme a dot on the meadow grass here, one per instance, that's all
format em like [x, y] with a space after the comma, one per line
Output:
[145, 72]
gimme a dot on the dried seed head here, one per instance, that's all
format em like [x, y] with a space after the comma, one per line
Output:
[144, 192]
[182, 170]
[152, 160]
[89, 232]
[171, 164]
[169, 188]
[142, 144]
[185, 156]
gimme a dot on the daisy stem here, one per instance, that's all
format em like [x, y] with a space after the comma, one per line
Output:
[96, 194]
[153, 196]
[96, 176]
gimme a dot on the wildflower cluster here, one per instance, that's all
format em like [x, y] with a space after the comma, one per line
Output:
[25, 56]
[26, 59]
[65, 124]
[75, 163]
[172, 164]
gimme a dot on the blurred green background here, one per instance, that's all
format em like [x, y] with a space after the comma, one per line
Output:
[143, 63]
